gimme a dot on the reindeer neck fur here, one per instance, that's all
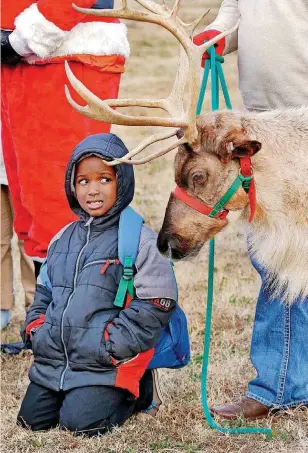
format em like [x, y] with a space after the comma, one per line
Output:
[278, 238]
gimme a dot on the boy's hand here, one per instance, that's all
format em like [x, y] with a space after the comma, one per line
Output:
[137, 328]
[206, 36]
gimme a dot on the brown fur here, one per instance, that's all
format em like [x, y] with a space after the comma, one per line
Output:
[211, 157]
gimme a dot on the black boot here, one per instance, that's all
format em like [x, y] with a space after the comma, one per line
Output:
[145, 391]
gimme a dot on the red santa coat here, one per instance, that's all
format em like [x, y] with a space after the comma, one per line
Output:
[39, 127]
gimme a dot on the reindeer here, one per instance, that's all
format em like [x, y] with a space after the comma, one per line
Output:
[277, 143]
[211, 151]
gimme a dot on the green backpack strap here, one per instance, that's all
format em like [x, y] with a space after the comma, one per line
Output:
[126, 284]
[130, 226]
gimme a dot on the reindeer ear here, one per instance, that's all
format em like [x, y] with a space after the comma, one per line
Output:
[245, 148]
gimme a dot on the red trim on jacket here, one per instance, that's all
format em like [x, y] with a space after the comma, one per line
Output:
[128, 300]
[130, 372]
[106, 337]
[35, 324]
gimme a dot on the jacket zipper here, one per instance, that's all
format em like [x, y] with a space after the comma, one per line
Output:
[111, 261]
[88, 224]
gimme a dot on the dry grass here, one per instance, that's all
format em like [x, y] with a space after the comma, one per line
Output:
[180, 426]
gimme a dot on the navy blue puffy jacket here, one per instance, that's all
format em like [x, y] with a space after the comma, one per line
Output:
[85, 339]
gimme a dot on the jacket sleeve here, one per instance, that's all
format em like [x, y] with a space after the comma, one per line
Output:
[228, 16]
[42, 28]
[137, 328]
[42, 298]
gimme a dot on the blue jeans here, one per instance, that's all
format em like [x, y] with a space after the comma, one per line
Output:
[279, 352]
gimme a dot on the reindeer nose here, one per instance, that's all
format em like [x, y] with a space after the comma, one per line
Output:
[163, 242]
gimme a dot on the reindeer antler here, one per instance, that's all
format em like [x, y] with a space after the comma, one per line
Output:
[188, 75]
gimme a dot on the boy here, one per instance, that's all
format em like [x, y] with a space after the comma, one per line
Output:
[89, 356]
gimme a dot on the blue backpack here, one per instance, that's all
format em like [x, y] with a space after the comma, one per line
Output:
[172, 349]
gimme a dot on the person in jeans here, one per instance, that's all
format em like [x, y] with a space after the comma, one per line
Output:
[26, 265]
[273, 65]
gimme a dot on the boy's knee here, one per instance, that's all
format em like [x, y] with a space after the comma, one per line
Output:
[35, 413]
[75, 424]
[71, 422]
[26, 420]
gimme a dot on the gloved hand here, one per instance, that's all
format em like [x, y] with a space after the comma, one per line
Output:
[206, 36]
[8, 54]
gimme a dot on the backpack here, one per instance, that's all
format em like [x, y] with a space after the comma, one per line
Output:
[172, 349]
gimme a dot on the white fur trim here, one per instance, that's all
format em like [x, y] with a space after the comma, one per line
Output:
[32, 30]
[36, 35]
[95, 38]
[19, 44]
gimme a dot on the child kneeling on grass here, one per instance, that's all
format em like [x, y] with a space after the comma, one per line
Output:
[90, 357]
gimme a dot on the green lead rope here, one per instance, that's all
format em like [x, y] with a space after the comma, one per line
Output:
[213, 65]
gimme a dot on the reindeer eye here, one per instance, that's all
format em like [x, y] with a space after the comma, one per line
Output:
[198, 178]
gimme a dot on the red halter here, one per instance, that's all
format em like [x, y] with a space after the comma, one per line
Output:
[196, 204]
[200, 206]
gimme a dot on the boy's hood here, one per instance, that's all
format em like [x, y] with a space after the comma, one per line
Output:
[106, 146]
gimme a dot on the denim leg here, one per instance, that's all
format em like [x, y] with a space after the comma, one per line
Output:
[279, 353]
[296, 379]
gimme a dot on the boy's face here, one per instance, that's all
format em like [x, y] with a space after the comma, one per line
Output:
[95, 185]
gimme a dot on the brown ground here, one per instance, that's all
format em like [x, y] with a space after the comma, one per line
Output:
[180, 426]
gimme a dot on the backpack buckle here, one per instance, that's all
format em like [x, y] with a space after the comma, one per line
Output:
[126, 283]
[128, 273]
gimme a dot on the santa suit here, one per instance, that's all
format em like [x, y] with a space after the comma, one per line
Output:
[40, 129]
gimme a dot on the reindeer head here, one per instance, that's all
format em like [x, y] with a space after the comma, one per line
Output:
[191, 161]
[205, 170]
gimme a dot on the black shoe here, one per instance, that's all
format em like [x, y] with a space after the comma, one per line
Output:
[13, 348]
